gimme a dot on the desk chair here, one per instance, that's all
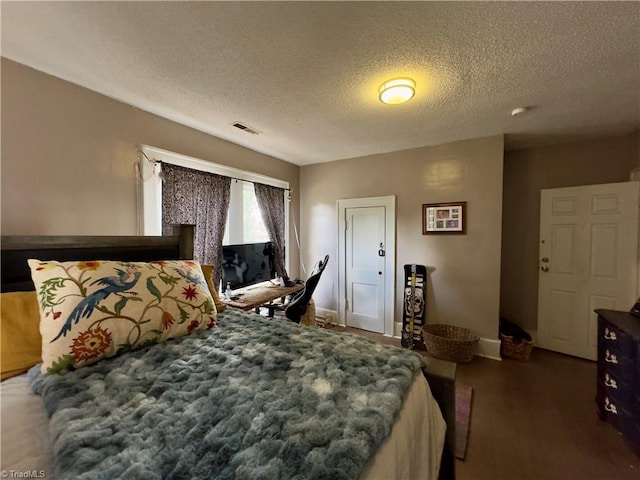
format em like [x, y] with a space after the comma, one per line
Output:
[297, 306]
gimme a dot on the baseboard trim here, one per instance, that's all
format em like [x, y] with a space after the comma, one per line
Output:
[489, 348]
[397, 330]
[329, 316]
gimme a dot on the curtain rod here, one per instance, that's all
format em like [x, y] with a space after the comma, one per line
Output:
[155, 162]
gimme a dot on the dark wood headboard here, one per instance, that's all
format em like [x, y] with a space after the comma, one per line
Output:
[16, 250]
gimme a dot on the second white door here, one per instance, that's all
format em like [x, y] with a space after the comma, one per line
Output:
[588, 260]
[365, 250]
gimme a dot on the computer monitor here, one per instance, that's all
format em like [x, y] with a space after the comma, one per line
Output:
[247, 264]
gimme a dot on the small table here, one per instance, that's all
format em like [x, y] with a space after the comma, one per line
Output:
[255, 297]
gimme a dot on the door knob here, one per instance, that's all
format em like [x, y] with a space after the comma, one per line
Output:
[544, 268]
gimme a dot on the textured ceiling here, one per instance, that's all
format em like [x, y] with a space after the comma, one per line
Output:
[306, 74]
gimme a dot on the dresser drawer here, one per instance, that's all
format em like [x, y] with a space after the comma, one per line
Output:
[620, 397]
[622, 368]
[618, 416]
[615, 340]
[610, 382]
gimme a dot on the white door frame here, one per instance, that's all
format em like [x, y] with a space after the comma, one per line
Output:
[389, 203]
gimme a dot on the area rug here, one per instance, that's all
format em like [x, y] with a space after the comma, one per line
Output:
[464, 396]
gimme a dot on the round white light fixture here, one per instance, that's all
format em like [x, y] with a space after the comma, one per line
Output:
[397, 90]
[518, 111]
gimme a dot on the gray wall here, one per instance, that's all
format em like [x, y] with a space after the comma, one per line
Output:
[68, 157]
[464, 286]
[526, 172]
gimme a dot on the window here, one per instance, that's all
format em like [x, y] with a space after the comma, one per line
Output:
[244, 220]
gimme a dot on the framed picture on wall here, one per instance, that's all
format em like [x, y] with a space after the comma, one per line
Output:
[444, 218]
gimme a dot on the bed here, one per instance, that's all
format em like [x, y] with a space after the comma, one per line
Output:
[250, 398]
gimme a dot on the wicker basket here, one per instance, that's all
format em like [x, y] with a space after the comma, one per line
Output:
[448, 342]
[515, 348]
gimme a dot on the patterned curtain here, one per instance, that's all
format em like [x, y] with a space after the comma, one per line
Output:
[271, 202]
[201, 199]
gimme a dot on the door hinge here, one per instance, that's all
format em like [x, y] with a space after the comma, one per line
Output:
[346, 304]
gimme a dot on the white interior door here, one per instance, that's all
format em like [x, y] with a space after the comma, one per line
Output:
[366, 260]
[588, 260]
[365, 240]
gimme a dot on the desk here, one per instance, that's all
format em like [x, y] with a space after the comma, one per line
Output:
[254, 297]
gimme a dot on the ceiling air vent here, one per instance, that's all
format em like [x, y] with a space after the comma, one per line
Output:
[246, 128]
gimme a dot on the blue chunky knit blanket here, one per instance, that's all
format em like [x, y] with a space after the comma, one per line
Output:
[254, 398]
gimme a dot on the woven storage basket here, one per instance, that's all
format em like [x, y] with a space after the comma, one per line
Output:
[448, 342]
[514, 348]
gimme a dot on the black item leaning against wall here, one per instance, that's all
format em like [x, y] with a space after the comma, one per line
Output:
[298, 305]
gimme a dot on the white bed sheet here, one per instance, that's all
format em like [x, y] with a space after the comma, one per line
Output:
[24, 429]
[413, 448]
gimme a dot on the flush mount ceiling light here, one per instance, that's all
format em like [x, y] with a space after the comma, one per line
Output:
[397, 90]
[518, 111]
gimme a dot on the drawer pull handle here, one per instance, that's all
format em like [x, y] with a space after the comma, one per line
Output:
[610, 407]
[609, 334]
[610, 357]
[610, 382]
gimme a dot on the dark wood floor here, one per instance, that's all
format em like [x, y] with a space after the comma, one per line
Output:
[537, 420]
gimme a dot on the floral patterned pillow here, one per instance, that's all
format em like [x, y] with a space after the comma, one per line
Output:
[92, 310]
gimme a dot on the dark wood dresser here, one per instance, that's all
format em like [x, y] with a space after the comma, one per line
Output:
[618, 393]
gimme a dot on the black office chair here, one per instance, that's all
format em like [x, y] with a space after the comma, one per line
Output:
[297, 307]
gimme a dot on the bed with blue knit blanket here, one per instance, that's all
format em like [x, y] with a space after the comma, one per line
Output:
[252, 398]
